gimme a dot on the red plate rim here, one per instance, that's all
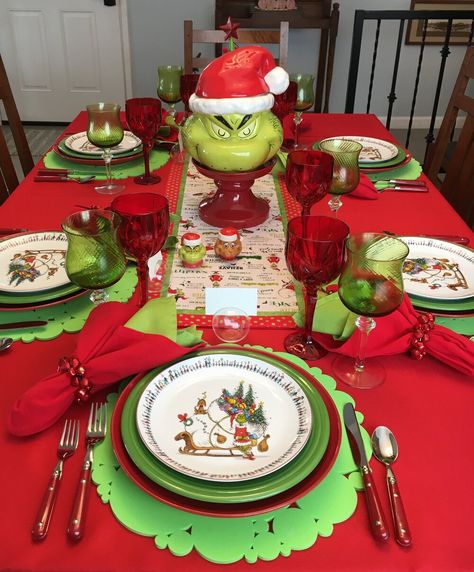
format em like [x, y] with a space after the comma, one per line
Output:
[97, 162]
[45, 304]
[407, 159]
[229, 510]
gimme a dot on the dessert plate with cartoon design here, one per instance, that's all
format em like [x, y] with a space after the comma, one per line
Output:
[438, 270]
[303, 465]
[225, 418]
[33, 262]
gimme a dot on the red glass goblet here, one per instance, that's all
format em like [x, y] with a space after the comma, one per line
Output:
[144, 119]
[314, 255]
[143, 230]
[187, 86]
[308, 177]
[285, 102]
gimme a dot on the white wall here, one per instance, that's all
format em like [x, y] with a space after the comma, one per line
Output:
[156, 35]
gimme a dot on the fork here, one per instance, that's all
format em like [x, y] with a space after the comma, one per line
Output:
[96, 430]
[66, 447]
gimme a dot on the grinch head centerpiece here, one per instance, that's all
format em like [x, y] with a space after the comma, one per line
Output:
[232, 127]
[233, 135]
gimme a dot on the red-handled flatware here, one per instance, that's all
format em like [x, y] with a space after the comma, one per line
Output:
[412, 182]
[385, 449]
[374, 508]
[406, 188]
[67, 445]
[96, 430]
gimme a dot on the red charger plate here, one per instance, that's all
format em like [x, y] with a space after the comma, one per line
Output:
[39, 305]
[232, 509]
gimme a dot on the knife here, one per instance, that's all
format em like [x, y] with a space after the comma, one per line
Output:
[376, 517]
[15, 325]
[413, 182]
[407, 188]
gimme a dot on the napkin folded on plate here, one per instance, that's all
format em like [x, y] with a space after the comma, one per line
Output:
[396, 333]
[116, 342]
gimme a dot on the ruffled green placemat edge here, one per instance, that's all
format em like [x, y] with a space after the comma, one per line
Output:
[228, 540]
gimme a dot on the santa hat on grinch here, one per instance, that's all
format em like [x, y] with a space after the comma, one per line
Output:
[241, 81]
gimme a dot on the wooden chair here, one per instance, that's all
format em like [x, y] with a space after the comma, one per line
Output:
[8, 176]
[258, 37]
[458, 183]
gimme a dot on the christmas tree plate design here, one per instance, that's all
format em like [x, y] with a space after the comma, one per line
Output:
[33, 262]
[224, 418]
[282, 479]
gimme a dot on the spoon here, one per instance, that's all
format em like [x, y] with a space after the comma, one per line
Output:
[385, 449]
[5, 343]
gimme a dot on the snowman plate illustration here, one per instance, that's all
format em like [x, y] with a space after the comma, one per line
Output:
[224, 417]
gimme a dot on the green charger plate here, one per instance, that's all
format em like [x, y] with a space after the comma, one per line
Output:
[447, 306]
[70, 153]
[223, 492]
[37, 297]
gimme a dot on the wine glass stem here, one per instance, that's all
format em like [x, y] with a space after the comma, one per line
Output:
[310, 299]
[335, 204]
[146, 157]
[297, 119]
[142, 271]
[365, 326]
[107, 156]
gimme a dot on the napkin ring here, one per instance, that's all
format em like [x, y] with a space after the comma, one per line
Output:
[425, 323]
[72, 367]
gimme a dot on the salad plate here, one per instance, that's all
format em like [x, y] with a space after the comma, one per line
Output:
[33, 262]
[225, 418]
[79, 143]
[374, 150]
[229, 492]
[438, 270]
[234, 508]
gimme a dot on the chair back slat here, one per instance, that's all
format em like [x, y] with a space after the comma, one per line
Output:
[8, 173]
[458, 183]
[258, 37]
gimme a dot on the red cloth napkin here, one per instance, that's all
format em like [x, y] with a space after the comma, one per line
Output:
[108, 351]
[365, 189]
[398, 332]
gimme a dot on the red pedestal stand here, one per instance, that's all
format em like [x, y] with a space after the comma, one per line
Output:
[234, 204]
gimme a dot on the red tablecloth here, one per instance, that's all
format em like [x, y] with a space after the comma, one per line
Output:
[426, 404]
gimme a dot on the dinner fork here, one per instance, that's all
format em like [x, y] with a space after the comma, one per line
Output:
[66, 447]
[96, 430]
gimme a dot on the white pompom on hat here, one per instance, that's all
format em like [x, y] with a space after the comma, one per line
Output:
[240, 81]
[228, 234]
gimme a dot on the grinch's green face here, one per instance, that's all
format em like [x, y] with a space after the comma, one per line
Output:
[192, 254]
[232, 142]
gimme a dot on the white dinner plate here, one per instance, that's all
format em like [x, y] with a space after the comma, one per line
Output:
[373, 150]
[437, 269]
[80, 144]
[33, 262]
[224, 418]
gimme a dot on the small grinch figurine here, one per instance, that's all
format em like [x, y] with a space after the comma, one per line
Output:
[192, 251]
[228, 245]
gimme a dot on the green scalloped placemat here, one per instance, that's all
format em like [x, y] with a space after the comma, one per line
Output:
[412, 170]
[227, 540]
[158, 158]
[68, 316]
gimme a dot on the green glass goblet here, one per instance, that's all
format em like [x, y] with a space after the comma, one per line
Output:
[169, 91]
[95, 258]
[304, 101]
[345, 174]
[105, 131]
[370, 285]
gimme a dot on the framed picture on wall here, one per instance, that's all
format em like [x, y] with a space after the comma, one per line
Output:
[436, 29]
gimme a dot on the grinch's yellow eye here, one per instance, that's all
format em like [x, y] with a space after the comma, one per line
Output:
[220, 131]
[248, 130]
